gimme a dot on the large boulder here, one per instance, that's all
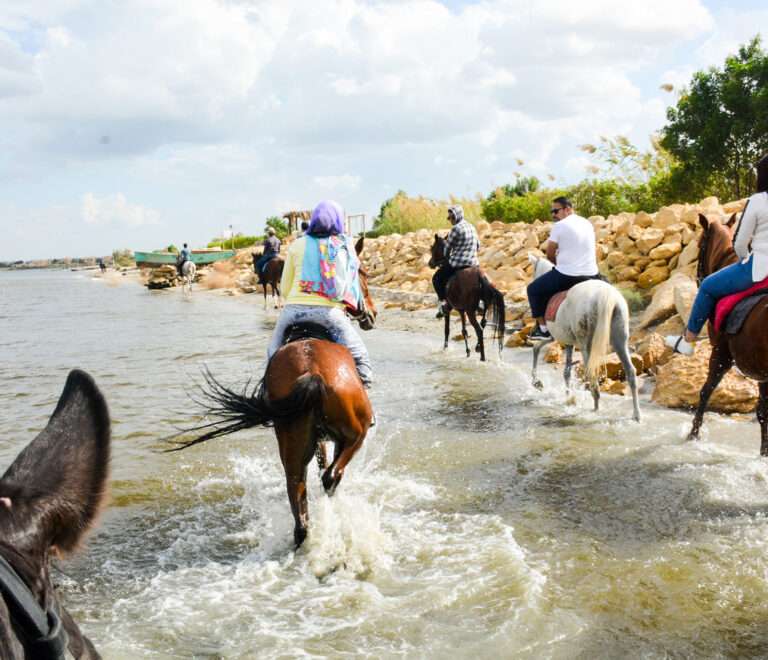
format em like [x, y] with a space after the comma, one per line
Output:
[679, 381]
[666, 250]
[649, 239]
[685, 293]
[663, 302]
[652, 276]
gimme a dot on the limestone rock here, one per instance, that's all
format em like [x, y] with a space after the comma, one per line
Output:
[653, 351]
[666, 250]
[649, 239]
[672, 326]
[663, 302]
[643, 219]
[614, 369]
[616, 258]
[652, 276]
[685, 293]
[665, 217]
[679, 381]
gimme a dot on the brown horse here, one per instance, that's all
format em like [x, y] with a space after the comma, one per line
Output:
[464, 292]
[49, 498]
[310, 393]
[749, 348]
[273, 271]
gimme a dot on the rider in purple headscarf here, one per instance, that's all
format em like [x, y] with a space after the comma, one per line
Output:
[320, 281]
[327, 220]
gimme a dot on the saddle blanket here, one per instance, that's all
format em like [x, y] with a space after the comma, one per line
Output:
[740, 313]
[725, 305]
[554, 304]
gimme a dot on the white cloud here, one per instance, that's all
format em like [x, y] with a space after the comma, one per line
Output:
[340, 183]
[115, 209]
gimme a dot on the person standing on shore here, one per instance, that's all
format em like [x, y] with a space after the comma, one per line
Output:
[572, 248]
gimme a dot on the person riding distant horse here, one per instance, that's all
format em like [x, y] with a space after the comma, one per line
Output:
[270, 251]
[751, 267]
[571, 247]
[184, 256]
[461, 247]
[320, 281]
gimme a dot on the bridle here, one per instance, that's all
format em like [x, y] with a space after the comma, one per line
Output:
[703, 247]
[42, 630]
[437, 263]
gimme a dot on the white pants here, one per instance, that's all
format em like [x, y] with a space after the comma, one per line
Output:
[339, 327]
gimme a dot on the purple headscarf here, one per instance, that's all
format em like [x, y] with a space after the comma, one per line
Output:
[327, 220]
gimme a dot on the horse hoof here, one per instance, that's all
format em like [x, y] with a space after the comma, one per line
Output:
[538, 384]
[299, 535]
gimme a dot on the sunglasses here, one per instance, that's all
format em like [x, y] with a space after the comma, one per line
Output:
[555, 211]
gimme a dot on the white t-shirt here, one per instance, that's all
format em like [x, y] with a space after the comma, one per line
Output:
[754, 230]
[575, 238]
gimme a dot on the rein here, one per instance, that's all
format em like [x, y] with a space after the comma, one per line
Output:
[47, 639]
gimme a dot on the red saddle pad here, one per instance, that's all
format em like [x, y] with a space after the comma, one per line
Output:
[725, 305]
[554, 304]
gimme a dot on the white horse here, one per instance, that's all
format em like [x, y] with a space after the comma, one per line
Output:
[188, 271]
[593, 313]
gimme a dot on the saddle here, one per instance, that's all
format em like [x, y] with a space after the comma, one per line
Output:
[727, 304]
[554, 304]
[300, 331]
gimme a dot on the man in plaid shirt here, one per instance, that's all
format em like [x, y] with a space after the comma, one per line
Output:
[461, 247]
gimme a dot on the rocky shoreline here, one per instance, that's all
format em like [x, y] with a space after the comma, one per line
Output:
[650, 257]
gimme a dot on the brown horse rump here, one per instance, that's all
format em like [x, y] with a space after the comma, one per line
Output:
[554, 304]
[741, 311]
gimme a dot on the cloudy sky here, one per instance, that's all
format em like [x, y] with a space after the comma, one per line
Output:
[137, 123]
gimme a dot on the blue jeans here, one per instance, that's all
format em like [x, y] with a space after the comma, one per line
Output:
[336, 322]
[262, 261]
[731, 279]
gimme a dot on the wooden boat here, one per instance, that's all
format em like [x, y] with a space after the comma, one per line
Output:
[199, 257]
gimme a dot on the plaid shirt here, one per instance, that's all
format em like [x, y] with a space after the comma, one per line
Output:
[462, 245]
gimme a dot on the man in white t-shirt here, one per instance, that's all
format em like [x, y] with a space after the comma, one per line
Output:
[571, 247]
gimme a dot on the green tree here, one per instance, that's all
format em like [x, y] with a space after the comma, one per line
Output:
[279, 225]
[719, 127]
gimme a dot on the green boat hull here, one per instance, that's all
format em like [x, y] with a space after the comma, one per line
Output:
[163, 258]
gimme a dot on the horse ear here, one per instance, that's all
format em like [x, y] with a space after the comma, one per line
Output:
[732, 221]
[359, 245]
[57, 485]
[703, 221]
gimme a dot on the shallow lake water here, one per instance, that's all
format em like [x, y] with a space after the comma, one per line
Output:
[481, 519]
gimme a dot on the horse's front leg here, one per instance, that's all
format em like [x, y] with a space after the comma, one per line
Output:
[464, 332]
[762, 417]
[447, 326]
[479, 332]
[720, 361]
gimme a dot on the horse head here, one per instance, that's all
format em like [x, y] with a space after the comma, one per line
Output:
[49, 497]
[715, 245]
[438, 252]
[540, 265]
[367, 316]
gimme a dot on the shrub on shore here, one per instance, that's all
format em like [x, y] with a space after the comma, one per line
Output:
[402, 214]
[237, 242]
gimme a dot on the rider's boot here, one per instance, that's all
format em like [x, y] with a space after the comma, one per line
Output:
[441, 310]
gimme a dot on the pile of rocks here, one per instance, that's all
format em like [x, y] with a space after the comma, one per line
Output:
[652, 256]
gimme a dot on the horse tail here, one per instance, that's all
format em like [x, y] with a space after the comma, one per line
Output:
[494, 303]
[234, 411]
[606, 303]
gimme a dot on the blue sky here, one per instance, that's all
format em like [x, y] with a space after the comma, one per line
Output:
[143, 123]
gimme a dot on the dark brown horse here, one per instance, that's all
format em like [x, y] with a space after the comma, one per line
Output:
[273, 271]
[464, 292]
[310, 393]
[49, 498]
[749, 348]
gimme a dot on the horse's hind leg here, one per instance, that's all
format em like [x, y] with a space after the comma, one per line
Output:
[464, 332]
[619, 341]
[479, 332]
[762, 417]
[720, 361]
[295, 455]
[536, 349]
[332, 476]
[567, 372]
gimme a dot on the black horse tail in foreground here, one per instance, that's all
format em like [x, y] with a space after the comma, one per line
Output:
[494, 305]
[236, 411]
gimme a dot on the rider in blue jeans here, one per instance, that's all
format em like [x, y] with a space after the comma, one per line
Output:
[752, 266]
